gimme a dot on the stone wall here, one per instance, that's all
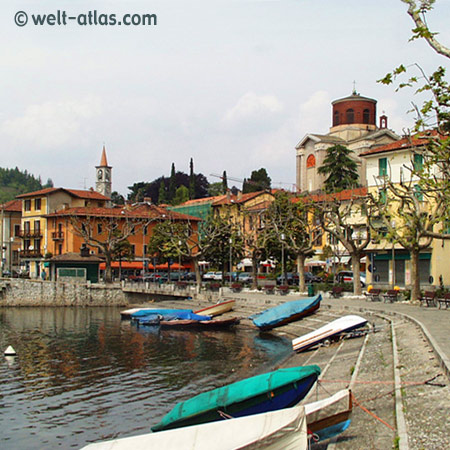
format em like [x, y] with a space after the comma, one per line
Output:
[17, 292]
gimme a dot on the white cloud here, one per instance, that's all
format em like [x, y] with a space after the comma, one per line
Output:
[253, 107]
[313, 114]
[51, 124]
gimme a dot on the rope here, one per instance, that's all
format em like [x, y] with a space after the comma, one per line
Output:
[371, 413]
[224, 415]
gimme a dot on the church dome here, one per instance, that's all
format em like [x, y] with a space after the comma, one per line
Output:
[354, 109]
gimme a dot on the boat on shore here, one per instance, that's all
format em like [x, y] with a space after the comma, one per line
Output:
[283, 429]
[286, 312]
[139, 312]
[199, 324]
[331, 331]
[330, 416]
[217, 309]
[262, 393]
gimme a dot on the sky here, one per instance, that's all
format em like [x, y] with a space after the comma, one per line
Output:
[233, 84]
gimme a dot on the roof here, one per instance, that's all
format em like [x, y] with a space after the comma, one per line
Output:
[198, 201]
[236, 199]
[140, 211]
[12, 206]
[347, 194]
[103, 161]
[320, 138]
[353, 97]
[76, 257]
[405, 143]
[90, 194]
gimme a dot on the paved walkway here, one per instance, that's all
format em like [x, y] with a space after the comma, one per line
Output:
[434, 322]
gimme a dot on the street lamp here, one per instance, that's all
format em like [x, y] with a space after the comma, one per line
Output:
[179, 260]
[282, 257]
[230, 241]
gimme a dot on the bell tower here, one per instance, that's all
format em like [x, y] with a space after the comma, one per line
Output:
[103, 174]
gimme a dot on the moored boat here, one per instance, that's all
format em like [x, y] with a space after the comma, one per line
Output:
[199, 324]
[287, 312]
[271, 391]
[330, 331]
[330, 416]
[217, 309]
[285, 428]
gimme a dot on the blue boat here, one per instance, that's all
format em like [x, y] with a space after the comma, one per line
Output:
[148, 311]
[154, 318]
[287, 312]
[271, 391]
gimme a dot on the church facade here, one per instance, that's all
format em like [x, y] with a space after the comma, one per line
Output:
[353, 126]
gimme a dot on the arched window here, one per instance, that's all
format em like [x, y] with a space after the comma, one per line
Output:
[350, 115]
[336, 118]
[366, 116]
[310, 161]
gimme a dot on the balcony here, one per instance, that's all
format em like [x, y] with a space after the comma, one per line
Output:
[58, 235]
[30, 254]
[30, 234]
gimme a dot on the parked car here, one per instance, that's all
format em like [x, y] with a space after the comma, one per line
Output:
[245, 277]
[293, 278]
[346, 276]
[212, 276]
[188, 276]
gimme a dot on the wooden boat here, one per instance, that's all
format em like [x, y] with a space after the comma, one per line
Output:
[162, 311]
[271, 391]
[199, 324]
[286, 312]
[217, 309]
[273, 430]
[329, 417]
[333, 330]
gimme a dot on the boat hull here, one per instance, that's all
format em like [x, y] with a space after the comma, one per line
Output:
[329, 331]
[266, 392]
[217, 309]
[286, 313]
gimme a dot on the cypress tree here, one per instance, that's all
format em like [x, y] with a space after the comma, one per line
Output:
[224, 182]
[172, 183]
[191, 180]
[162, 197]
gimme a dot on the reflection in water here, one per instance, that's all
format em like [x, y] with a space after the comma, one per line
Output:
[82, 374]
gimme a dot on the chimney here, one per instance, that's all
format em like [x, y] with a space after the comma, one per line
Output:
[239, 196]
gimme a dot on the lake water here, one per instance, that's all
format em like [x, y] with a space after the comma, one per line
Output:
[83, 375]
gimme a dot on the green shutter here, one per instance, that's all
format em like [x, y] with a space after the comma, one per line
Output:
[382, 167]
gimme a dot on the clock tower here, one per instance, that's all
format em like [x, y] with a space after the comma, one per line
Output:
[103, 176]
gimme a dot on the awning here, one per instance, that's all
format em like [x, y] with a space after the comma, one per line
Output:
[133, 265]
[341, 260]
[316, 263]
[173, 266]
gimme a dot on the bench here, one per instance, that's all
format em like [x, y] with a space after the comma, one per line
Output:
[445, 300]
[374, 295]
[337, 291]
[283, 289]
[269, 288]
[181, 284]
[390, 296]
[236, 287]
[428, 298]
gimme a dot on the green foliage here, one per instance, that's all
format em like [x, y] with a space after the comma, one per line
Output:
[259, 181]
[172, 183]
[181, 195]
[162, 197]
[215, 189]
[14, 182]
[191, 180]
[224, 182]
[117, 199]
[340, 169]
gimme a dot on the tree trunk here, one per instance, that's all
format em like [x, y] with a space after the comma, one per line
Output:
[415, 279]
[254, 272]
[356, 257]
[108, 268]
[198, 275]
[301, 272]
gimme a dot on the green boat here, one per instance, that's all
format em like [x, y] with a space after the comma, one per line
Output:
[271, 391]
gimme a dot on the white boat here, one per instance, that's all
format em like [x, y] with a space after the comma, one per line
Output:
[328, 332]
[330, 416]
[283, 429]
[217, 309]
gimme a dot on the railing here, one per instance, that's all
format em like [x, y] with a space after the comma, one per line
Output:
[30, 254]
[29, 234]
[58, 235]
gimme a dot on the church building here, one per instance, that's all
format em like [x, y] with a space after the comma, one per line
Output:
[353, 126]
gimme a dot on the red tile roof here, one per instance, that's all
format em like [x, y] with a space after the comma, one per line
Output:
[232, 199]
[347, 194]
[403, 144]
[91, 195]
[136, 212]
[12, 206]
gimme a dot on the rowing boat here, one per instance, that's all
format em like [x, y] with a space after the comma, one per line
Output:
[273, 430]
[271, 391]
[217, 309]
[199, 324]
[286, 312]
[329, 417]
[328, 332]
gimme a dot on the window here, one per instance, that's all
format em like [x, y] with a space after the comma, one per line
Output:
[37, 226]
[366, 116]
[145, 250]
[336, 118]
[382, 167]
[418, 162]
[99, 228]
[37, 204]
[418, 193]
[26, 227]
[60, 248]
[133, 249]
[16, 230]
[350, 115]
[27, 205]
[310, 161]
[145, 230]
